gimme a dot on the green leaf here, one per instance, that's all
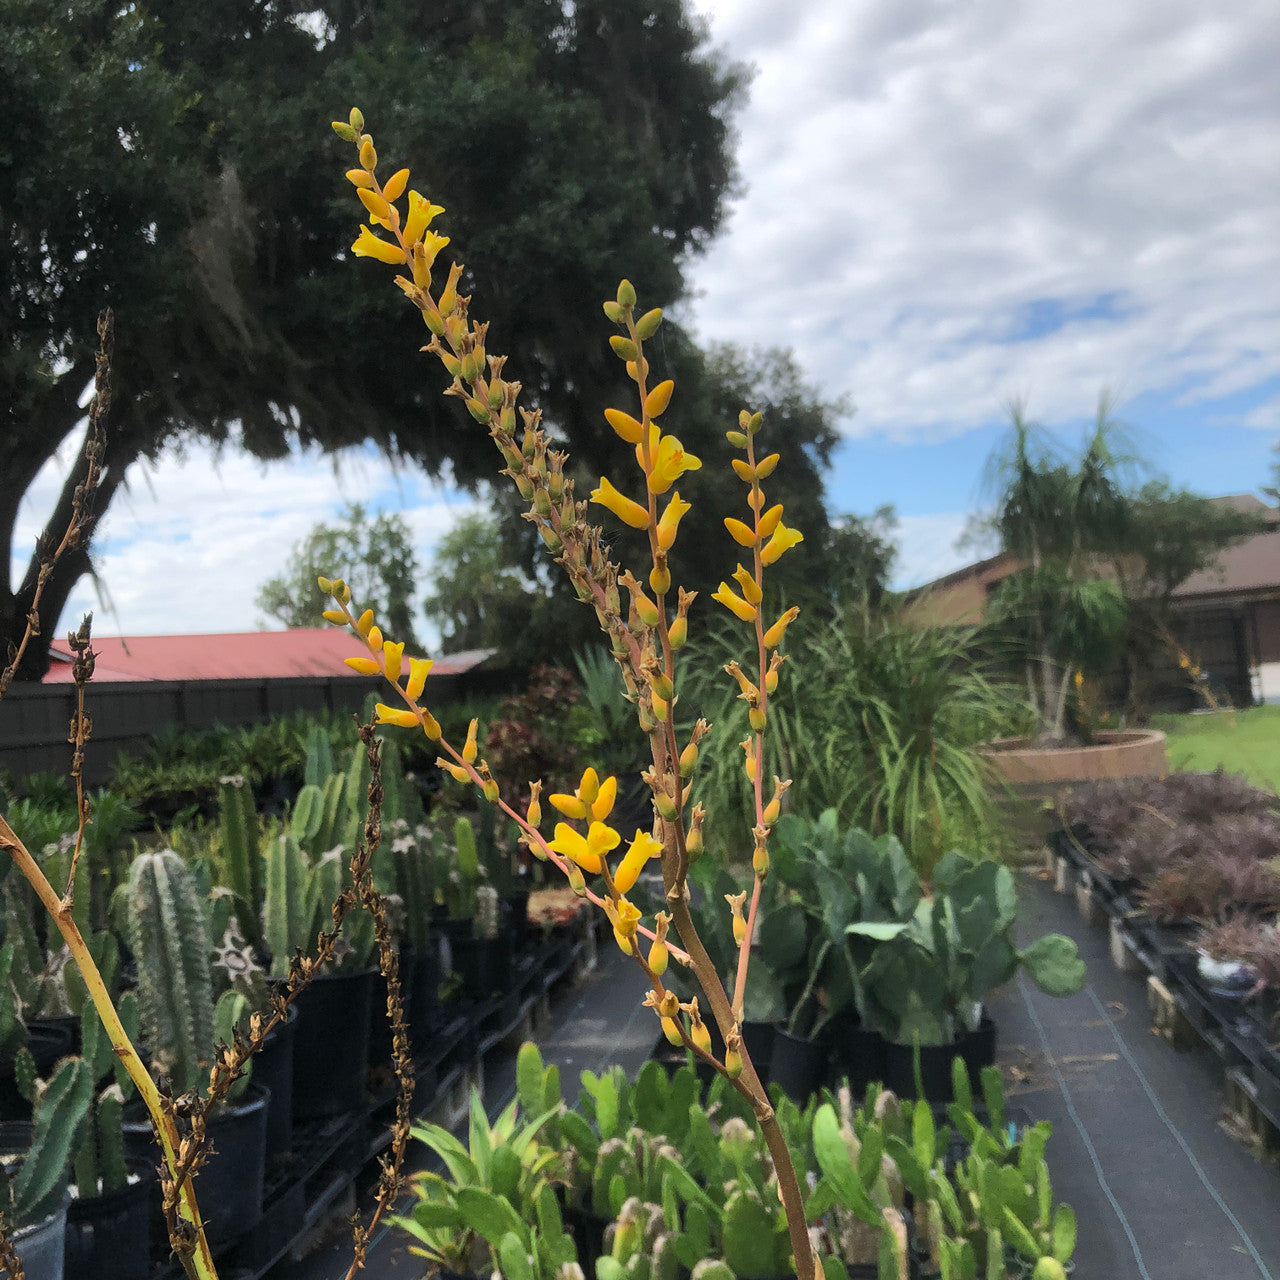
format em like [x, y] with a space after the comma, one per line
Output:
[924, 1135]
[1054, 965]
[489, 1216]
[993, 1093]
[530, 1076]
[515, 1261]
[1018, 1235]
[1064, 1233]
[433, 1216]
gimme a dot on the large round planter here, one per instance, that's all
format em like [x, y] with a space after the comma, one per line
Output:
[40, 1246]
[796, 1065]
[976, 1048]
[424, 994]
[108, 1236]
[331, 1045]
[273, 1069]
[381, 1043]
[1115, 753]
[515, 907]
[857, 1053]
[46, 1045]
[230, 1182]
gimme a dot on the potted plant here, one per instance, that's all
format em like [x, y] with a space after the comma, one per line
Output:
[168, 935]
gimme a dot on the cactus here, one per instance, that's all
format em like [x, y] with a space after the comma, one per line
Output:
[99, 1160]
[242, 854]
[411, 857]
[169, 937]
[61, 1105]
[486, 921]
[286, 915]
[319, 763]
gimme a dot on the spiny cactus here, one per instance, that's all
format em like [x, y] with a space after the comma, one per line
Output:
[411, 857]
[462, 876]
[486, 923]
[99, 1160]
[242, 853]
[169, 937]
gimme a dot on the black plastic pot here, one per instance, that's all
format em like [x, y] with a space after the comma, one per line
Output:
[273, 1069]
[331, 1045]
[796, 1065]
[380, 1039]
[231, 1180]
[857, 1053]
[424, 994]
[46, 1044]
[484, 964]
[515, 907]
[39, 1243]
[976, 1048]
[61, 1025]
[108, 1236]
[757, 1038]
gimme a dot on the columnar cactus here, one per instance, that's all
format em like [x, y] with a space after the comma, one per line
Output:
[286, 910]
[170, 940]
[242, 853]
[486, 922]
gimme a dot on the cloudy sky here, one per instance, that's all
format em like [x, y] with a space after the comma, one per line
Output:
[946, 205]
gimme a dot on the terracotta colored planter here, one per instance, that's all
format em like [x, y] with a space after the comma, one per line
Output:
[1118, 753]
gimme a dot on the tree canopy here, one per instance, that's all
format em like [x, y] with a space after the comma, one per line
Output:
[175, 162]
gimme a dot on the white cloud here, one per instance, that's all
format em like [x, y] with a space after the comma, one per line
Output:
[927, 179]
[927, 548]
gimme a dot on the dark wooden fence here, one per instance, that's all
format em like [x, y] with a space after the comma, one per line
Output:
[34, 719]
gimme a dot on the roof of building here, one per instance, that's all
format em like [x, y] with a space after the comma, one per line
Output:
[253, 655]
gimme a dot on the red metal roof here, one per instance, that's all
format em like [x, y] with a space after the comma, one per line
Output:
[252, 655]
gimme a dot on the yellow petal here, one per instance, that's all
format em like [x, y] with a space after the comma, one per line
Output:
[769, 521]
[655, 403]
[589, 786]
[394, 186]
[368, 245]
[624, 508]
[743, 534]
[392, 655]
[642, 848]
[624, 425]
[773, 637]
[783, 540]
[395, 715]
[602, 805]
[601, 839]
[670, 464]
[750, 588]
[572, 845]
[571, 806]
[734, 603]
[419, 669]
[670, 521]
[365, 666]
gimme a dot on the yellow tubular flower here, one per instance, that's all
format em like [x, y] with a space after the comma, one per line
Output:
[374, 639]
[405, 718]
[358, 178]
[783, 540]
[469, 748]
[589, 785]
[394, 186]
[670, 521]
[421, 213]
[573, 807]
[368, 245]
[655, 403]
[624, 508]
[734, 603]
[573, 845]
[626, 919]
[602, 805]
[743, 534]
[624, 425]
[769, 521]
[642, 848]
[455, 771]
[365, 666]
[393, 656]
[376, 205]
[601, 839]
[364, 623]
[670, 464]
[419, 669]
[671, 1028]
[773, 637]
[750, 587]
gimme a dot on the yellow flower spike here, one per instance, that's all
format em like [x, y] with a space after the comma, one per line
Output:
[641, 849]
[773, 637]
[375, 203]
[769, 520]
[573, 845]
[336, 616]
[783, 540]
[670, 1027]
[670, 521]
[572, 807]
[368, 245]
[469, 748]
[365, 666]
[670, 464]
[394, 186]
[419, 669]
[746, 580]
[403, 717]
[601, 839]
[364, 623]
[602, 805]
[734, 603]
[743, 534]
[765, 467]
[624, 425]
[656, 402]
[589, 786]
[374, 638]
[455, 771]
[393, 657]
[359, 178]
[533, 815]
[628, 511]
[368, 156]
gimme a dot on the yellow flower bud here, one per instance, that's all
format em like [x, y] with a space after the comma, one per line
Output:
[766, 466]
[742, 534]
[394, 186]
[419, 669]
[659, 957]
[749, 586]
[623, 348]
[769, 520]
[405, 718]
[606, 794]
[671, 1029]
[648, 324]
[573, 807]
[365, 666]
[364, 623]
[773, 637]
[359, 178]
[455, 771]
[614, 312]
[368, 156]
[656, 402]
[589, 785]
[637, 369]
[624, 425]
[356, 118]
[336, 616]
[736, 438]
[374, 638]
[375, 204]
[626, 294]
[393, 657]
[732, 1063]
[325, 585]
[760, 862]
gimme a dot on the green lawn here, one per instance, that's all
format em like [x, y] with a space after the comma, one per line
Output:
[1245, 742]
